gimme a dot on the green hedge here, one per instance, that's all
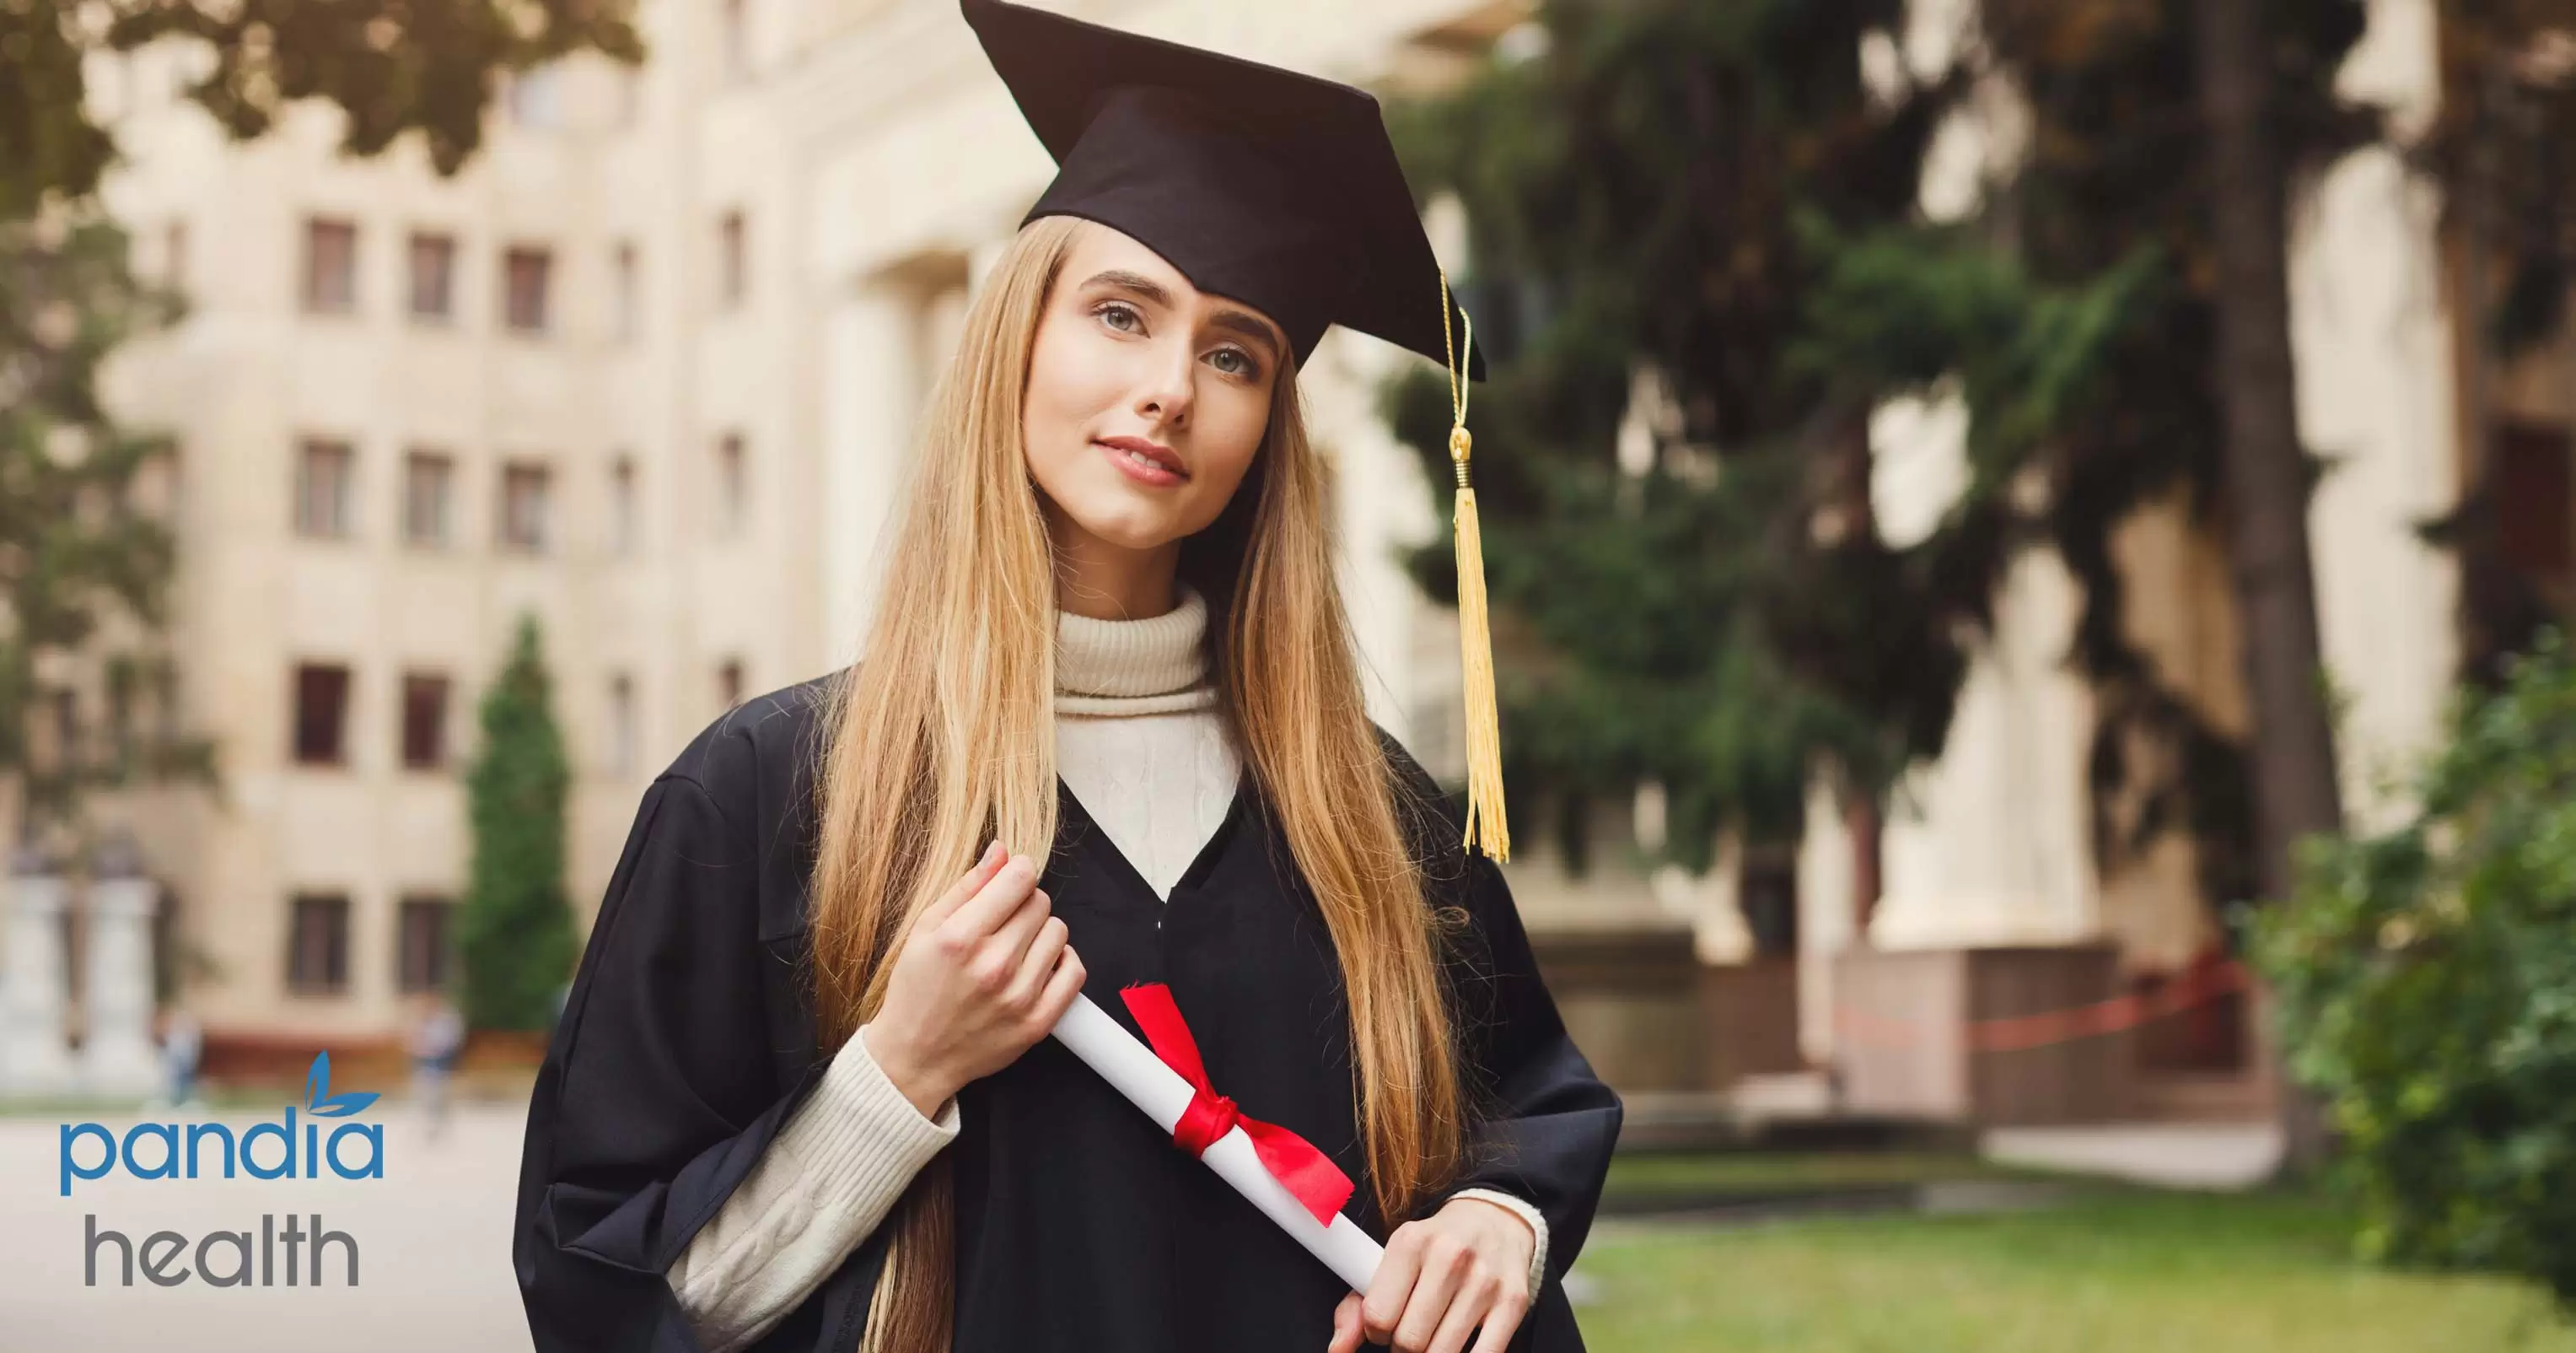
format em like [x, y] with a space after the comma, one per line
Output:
[2427, 990]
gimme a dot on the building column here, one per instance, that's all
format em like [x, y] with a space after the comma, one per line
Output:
[117, 1054]
[33, 1058]
[869, 406]
[1990, 844]
[1828, 914]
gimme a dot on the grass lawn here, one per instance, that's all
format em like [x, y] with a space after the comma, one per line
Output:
[2118, 1273]
[1648, 1173]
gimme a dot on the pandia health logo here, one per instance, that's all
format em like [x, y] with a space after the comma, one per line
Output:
[271, 1150]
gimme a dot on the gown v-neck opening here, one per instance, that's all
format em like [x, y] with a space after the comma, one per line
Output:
[1201, 865]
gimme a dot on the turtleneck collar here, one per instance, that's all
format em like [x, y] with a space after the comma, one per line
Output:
[1152, 666]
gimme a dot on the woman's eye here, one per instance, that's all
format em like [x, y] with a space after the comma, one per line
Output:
[1113, 312]
[1243, 363]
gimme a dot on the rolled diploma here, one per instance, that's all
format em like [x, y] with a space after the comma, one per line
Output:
[1133, 1070]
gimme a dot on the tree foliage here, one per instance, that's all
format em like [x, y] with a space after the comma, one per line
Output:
[85, 555]
[2076, 313]
[517, 938]
[2427, 988]
[1716, 191]
[391, 66]
[1634, 194]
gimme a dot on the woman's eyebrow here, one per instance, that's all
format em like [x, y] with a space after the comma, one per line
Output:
[1249, 326]
[1237, 321]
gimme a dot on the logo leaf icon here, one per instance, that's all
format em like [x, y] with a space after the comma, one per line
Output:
[318, 1099]
[341, 1106]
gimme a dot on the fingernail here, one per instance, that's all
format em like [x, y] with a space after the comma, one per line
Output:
[991, 851]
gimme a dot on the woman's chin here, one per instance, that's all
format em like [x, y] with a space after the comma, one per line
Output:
[1130, 525]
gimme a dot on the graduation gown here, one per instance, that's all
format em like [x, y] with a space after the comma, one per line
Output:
[688, 1038]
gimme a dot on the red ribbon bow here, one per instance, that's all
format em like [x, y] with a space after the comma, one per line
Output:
[1308, 1174]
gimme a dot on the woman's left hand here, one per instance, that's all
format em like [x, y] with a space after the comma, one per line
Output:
[1464, 1266]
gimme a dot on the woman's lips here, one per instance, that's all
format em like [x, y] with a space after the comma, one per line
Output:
[1138, 466]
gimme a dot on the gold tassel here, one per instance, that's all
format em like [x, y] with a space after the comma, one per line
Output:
[1475, 633]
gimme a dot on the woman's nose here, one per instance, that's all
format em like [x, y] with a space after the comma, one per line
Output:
[1169, 384]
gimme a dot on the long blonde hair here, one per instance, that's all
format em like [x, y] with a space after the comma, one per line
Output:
[943, 738]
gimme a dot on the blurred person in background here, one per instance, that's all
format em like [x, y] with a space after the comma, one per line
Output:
[183, 1046]
[1110, 732]
[437, 1039]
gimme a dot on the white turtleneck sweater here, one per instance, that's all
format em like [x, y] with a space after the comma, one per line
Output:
[1139, 743]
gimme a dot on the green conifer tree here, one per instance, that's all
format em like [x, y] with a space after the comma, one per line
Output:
[517, 941]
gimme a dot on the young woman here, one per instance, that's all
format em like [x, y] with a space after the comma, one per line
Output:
[1109, 731]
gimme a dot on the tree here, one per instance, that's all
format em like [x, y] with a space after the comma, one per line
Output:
[2427, 977]
[2267, 483]
[2077, 314]
[84, 555]
[517, 937]
[2112, 317]
[1634, 193]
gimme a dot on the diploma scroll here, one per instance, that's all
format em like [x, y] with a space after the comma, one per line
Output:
[1132, 1069]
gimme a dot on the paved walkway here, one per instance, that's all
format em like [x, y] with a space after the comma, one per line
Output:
[2173, 1155]
[433, 1241]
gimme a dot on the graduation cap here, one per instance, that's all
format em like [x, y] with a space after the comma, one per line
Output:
[1273, 188]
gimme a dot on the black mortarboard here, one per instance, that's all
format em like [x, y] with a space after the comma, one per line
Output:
[1274, 188]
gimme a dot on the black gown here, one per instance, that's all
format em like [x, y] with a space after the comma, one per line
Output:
[687, 1039]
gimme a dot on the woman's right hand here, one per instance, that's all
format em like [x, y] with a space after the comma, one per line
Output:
[984, 974]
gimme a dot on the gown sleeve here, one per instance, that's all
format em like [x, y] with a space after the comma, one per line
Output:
[658, 1094]
[1542, 1125]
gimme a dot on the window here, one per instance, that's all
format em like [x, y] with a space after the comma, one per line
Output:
[737, 39]
[1769, 896]
[2532, 480]
[123, 689]
[523, 508]
[433, 277]
[729, 682]
[621, 725]
[733, 267]
[321, 714]
[323, 470]
[424, 721]
[732, 491]
[524, 275]
[330, 267]
[429, 487]
[317, 944]
[630, 317]
[423, 959]
[621, 506]
[64, 750]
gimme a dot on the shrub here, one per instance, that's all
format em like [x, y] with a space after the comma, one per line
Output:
[2426, 980]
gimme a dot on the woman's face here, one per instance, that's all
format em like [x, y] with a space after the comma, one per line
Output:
[1147, 397]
